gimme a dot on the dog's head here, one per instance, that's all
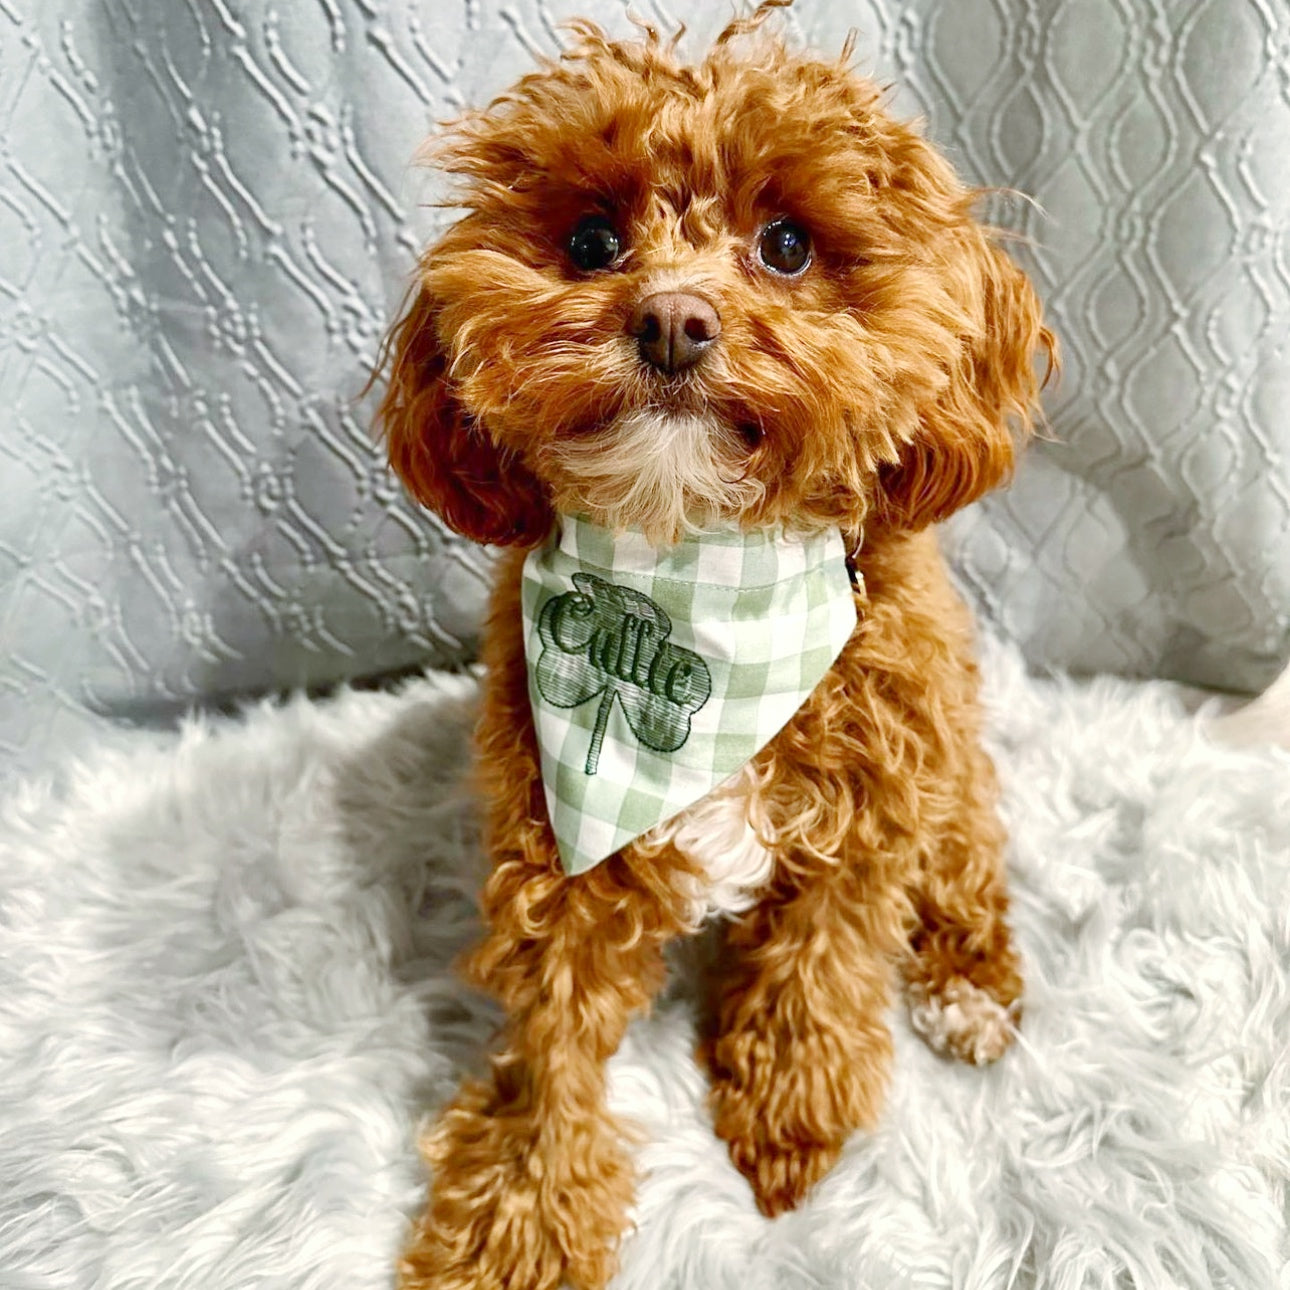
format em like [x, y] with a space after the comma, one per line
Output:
[686, 294]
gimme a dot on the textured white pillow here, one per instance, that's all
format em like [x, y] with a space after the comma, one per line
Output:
[1153, 535]
[209, 218]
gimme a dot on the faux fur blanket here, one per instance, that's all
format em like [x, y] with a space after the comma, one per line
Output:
[225, 1002]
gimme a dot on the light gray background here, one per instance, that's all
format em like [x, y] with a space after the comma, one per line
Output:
[207, 216]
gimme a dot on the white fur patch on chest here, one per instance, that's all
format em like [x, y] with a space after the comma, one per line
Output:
[719, 835]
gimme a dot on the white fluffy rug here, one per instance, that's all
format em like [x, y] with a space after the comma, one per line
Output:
[225, 1001]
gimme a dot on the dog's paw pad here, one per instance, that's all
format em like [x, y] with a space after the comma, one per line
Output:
[962, 1020]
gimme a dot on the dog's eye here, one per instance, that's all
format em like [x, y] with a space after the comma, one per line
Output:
[784, 247]
[594, 244]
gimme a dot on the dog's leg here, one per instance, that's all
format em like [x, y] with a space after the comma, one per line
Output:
[800, 1047]
[917, 657]
[962, 978]
[531, 1183]
[882, 805]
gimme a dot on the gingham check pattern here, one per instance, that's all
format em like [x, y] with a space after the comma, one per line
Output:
[767, 613]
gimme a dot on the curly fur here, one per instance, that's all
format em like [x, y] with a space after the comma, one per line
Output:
[878, 390]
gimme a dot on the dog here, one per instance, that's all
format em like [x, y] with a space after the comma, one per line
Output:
[734, 298]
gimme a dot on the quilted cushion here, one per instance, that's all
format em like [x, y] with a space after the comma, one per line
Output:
[1150, 534]
[209, 215]
[210, 218]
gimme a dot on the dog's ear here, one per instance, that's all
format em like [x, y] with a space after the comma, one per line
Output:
[966, 439]
[448, 462]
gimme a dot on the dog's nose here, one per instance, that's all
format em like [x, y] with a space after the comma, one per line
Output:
[673, 329]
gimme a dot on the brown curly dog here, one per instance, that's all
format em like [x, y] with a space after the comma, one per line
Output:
[731, 292]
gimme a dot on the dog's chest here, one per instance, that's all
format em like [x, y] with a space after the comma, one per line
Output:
[718, 834]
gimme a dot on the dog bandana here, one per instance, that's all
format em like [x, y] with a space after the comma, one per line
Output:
[654, 674]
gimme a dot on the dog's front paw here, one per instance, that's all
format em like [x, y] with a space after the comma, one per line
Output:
[960, 1019]
[785, 1098]
[775, 1139]
[502, 1245]
[499, 1218]
[781, 1176]
[964, 989]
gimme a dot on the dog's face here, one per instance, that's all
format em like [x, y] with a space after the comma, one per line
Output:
[679, 295]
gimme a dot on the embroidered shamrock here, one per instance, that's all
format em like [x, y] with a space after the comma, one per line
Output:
[612, 641]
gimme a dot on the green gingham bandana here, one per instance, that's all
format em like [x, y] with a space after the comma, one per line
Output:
[654, 674]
